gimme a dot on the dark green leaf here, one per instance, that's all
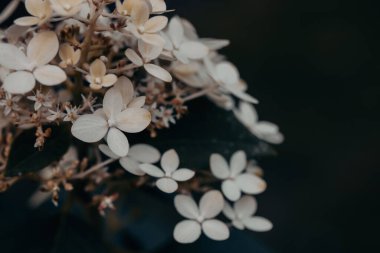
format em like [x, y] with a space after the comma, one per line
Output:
[25, 158]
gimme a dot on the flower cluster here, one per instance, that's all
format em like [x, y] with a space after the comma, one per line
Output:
[108, 69]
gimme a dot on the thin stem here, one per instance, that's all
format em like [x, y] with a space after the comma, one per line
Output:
[94, 169]
[9, 10]
[198, 94]
[123, 69]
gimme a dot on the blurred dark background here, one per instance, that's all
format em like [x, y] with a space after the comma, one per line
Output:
[315, 67]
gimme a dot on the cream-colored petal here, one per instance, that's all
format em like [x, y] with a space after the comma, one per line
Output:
[50, 75]
[257, 224]
[231, 190]
[216, 230]
[238, 163]
[245, 207]
[176, 31]
[66, 52]
[107, 151]
[158, 5]
[151, 170]
[125, 86]
[194, 50]
[133, 120]
[109, 80]
[170, 161]
[219, 166]
[131, 166]
[13, 58]
[140, 12]
[183, 175]
[89, 128]
[37, 8]
[27, 21]
[154, 39]
[251, 184]
[112, 104]
[186, 206]
[144, 153]
[148, 51]
[134, 57]
[98, 68]
[227, 73]
[137, 102]
[187, 231]
[158, 72]
[167, 185]
[43, 48]
[155, 24]
[19, 82]
[211, 204]
[117, 142]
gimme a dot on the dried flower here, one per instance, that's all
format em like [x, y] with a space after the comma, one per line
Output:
[68, 55]
[98, 77]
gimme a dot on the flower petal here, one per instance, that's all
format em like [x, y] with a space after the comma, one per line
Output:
[117, 142]
[158, 72]
[151, 170]
[186, 206]
[131, 166]
[176, 31]
[228, 211]
[170, 161]
[227, 73]
[98, 69]
[246, 114]
[219, 166]
[107, 151]
[112, 103]
[19, 82]
[43, 48]
[187, 231]
[156, 24]
[154, 39]
[216, 230]
[194, 50]
[144, 153]
[134, 57]
[13, 58]
[245, 207]
[27, 21]
[149, 51]
[231, 190]
[250, 183]
[257, 224]
[211, 204]
[133, 120]
[37, 7]
[183, 175]
[89, 128]
[238, 163]
[140, 12]
[167, 185]
[137, 102]
[50, 75]
[125, 86]
[109, 80]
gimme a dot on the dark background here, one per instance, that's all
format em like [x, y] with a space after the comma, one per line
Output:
[315, 67]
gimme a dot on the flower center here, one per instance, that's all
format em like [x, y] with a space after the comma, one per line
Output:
[111, 122]
[67, 6]
[98, 80]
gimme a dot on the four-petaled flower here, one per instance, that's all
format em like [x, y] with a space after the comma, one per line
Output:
[235, 180]
[68, 55]
[169, 174]
[39, 9]
[200, 218]
[32, 66]
[111, 122]
[241, 215]
[98, 77]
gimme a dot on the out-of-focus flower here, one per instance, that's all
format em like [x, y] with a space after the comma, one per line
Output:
[169, 174]
[124, 7]
[200, 218]
[242, 217]
[145, 28]
[110, 122]
[68, 55]
[98, 77]
[32, 66]
[137, 154]
[264, 130]
[10, 103]
[235, 180]
[39, 9]
[148, 53]
[66, 8]
[40, 100]
[181, 47]
[158, 6]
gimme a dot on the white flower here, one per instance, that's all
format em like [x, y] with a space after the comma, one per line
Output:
[235, 180]
[98, 77]
[137, 154]
[41, 99]
[180, 46]
[39, 9]
[112, 121]
[242, 217]
[200, 219]
[68, 55]
[125, 7]
[148, 53]
[227, 76]
[158, 6]
[169, 174]
[264, 130]
[145, 28]
[66, 8]
[32, 66]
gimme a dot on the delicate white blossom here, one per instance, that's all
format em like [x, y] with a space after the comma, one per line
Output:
[242, 215]
[68, 55]
[235, 179]
[169, 175]
[98, 77]
[200, 218]
[40, 11]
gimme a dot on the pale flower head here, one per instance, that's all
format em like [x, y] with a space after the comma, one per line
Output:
[235, 179]
[111, 122]
[33, 65]
[242, 215]
[98, 77]
[200, 218]
[40, 11]
[68, 55]
[125, 7]
[264, 130]
[138, 154]
[169, 175]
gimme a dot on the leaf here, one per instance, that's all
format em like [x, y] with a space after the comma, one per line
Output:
[25, 158]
